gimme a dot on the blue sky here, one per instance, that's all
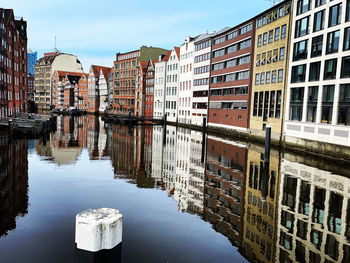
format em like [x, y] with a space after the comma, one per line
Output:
[96, 30]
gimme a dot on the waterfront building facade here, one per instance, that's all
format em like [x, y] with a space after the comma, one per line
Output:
[44, 70]
[201, 74]
[318, 93]
[231, 76]
[186, 81]
[171, 86]
[140, 91]
[103, 89]
[83, 92]
[270, 69]
[94, 88]
[13, 64]
[149, 89]
[160, 84]
[31, 61]
[124, 78]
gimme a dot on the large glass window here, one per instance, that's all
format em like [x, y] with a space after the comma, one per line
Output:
[280, 75]
[268, 77]
[312, 104]
[278, 104]
[282, 52]
[272, 104]
[266, 106]
[298, 73]
[345, 67]
[296, 104]
[262, 78]
[344, 105]
[300, 50]
[303, 6]
[274, 76]
[330, 69]
[332, 42]
[302, 27]
[270, 36]
[334, 15]
[314, 73]
[327, 103]
[283, 31]
[257, 79]
[316, 48]
[259, 40]
[255, 108]
[265, 38]
[347, 14]
[261, 99]
[320, 2]
[319, 21]
[346, 45]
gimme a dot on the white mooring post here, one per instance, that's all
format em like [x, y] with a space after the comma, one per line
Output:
[97, 229]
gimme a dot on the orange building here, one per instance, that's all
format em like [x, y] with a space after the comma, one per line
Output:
[149, 89]
[139, 90]
[82, 92]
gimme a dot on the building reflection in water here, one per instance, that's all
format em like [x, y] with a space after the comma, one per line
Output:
[13, 182]
[313, 216]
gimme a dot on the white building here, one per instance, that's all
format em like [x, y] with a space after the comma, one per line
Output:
[171, 86]
[169, 159]
[160, 85]
[186, 81]
[103, 87]
[201, 70]
[157, 154]
[318, 93]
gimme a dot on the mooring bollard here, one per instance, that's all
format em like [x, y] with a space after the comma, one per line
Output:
[97, 229]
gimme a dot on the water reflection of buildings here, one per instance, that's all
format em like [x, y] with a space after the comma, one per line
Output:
[13, 182]
[224, 188]
[314, 215]
[261, 203]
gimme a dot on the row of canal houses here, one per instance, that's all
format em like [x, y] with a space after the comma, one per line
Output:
[288, 67]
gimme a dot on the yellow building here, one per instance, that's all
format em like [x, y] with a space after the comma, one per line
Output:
[261, 207]
[270, 69]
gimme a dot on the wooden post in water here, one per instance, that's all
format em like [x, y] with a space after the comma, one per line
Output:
[204, 133]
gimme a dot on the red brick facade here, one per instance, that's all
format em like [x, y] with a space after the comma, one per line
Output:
[149, 90]
[13, 64]
[231, 76]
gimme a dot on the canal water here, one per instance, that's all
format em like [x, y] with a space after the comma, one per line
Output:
[176, 208]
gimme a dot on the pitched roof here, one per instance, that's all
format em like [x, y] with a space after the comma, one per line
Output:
[105, 72]
[167, 56]
[64, 73]
[177, 50]
[97, 69]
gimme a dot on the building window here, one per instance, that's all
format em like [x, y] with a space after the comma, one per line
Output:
[261, 99]
[280, 75]
[320, 2]
[270, 36]
[278, 104]
[282, 52]
[345, 67]
[303, 6]
[219, 53]
[298, 73]
[302, 27]
[272, 104]
[330, 69]
[277, 33]
[268, 75]
[257, 79]
[296, 104]
[332, 42]
[347, 14]
[274, 76]
[312, 104]
[284, 31]
[316, 49]
[259, 41]
[346, 39]
[314, 73]
[262, 78]
[255, 107]
[344, 105]
[334, 15]
[327, 103]
[319, 21]
[266, 105]
[265, 38]
[300, 50]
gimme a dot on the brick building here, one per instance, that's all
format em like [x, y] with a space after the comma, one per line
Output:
[231, 71]
[93, 87]
[124, 79]
[139, 88]
[149, 90]
[13, 64]
[82, 92]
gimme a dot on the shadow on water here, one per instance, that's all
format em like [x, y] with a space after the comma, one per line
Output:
[296, 211]
[113, 255]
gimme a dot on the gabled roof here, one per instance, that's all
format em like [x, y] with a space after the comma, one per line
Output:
[167, 56]
[177, 50]
[97, 69]
[105, 72]
[65, 73]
